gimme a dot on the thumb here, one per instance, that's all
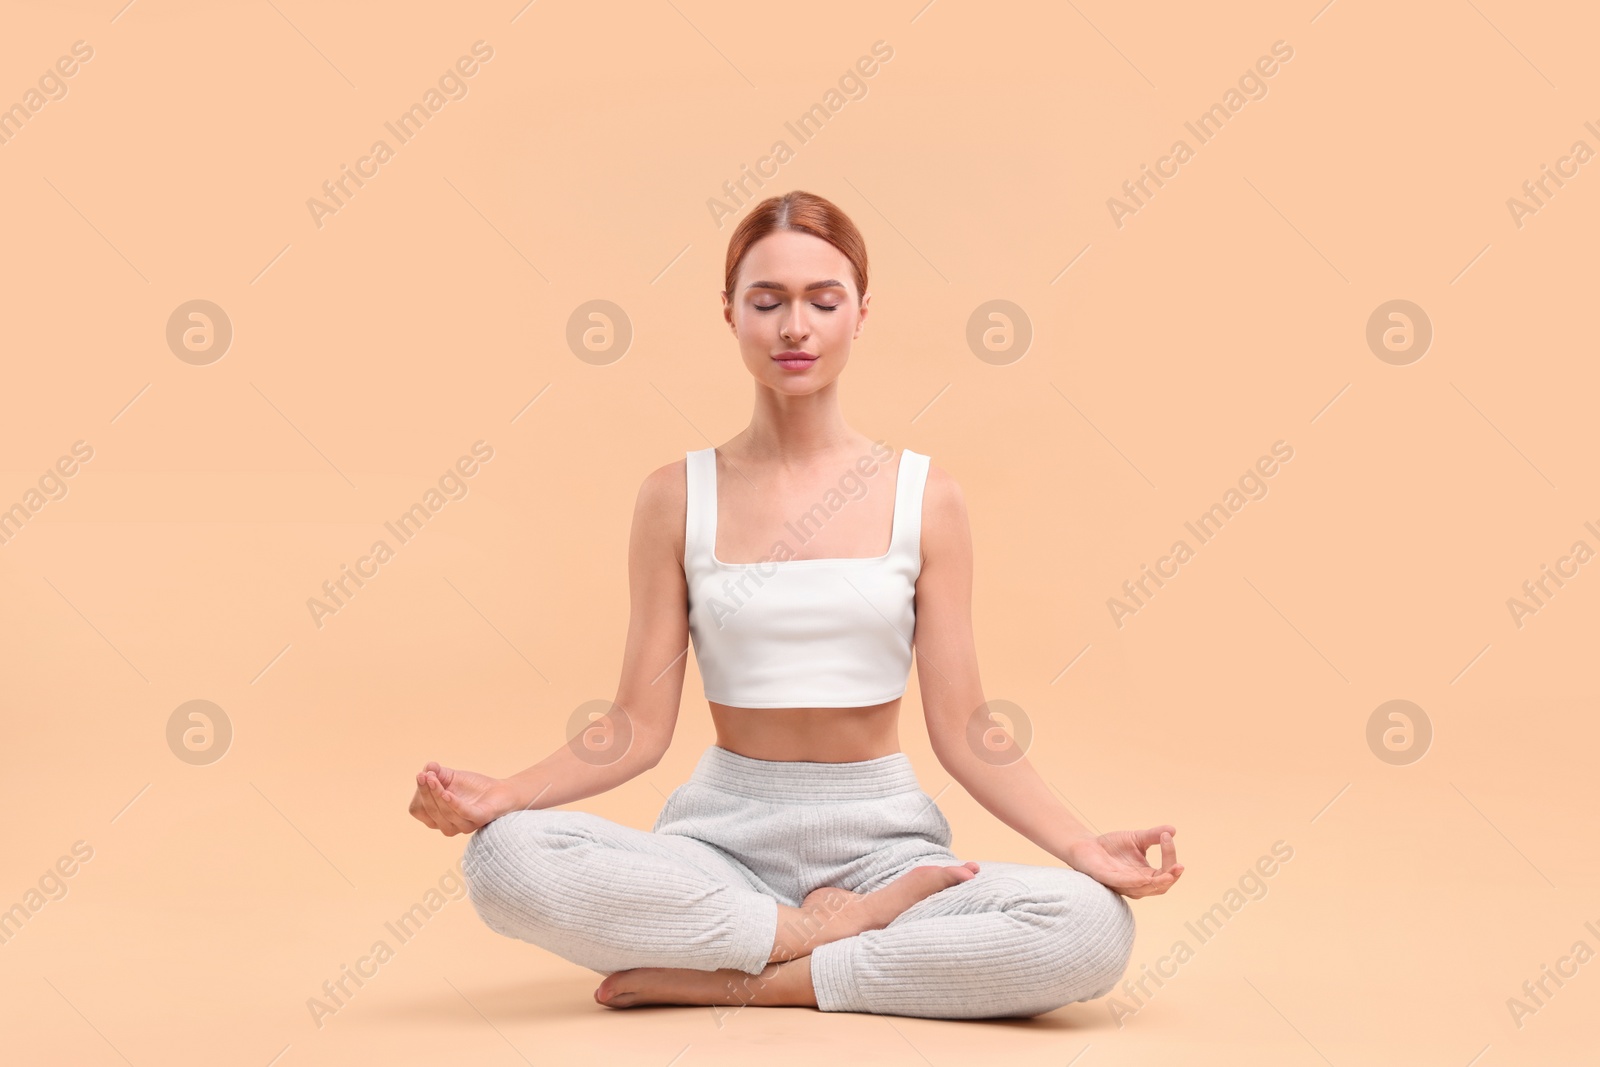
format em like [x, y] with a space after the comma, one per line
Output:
[1149, 838]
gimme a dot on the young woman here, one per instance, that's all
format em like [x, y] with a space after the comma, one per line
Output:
[801, 864]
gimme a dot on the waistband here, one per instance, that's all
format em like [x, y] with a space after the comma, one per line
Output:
[801, 781]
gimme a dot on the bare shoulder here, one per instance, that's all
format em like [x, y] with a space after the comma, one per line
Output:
[945, 530]
[943, 502]
[662, 506]
[666, 487]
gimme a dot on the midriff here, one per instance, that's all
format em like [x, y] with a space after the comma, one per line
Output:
[813, 735]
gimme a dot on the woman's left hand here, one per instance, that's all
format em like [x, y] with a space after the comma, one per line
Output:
[455, 801]
[1117, 860]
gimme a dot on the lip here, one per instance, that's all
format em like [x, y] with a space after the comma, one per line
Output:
[795, 360]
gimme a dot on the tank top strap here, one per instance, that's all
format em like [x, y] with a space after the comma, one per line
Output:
[910, 482]
[700, 519]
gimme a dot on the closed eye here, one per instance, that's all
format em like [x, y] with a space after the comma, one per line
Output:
[821, 307]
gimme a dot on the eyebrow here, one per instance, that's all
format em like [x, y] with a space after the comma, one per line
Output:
[829, 284]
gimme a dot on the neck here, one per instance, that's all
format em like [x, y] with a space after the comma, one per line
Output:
[797, 428]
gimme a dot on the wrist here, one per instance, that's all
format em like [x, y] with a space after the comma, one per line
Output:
[505, 796]
[1074, 847]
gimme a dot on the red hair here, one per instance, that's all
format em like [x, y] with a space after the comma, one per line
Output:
[805, 213]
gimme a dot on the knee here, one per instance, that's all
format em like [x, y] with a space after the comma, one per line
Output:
[1100, 942]
[506, 861]
[1089, 938]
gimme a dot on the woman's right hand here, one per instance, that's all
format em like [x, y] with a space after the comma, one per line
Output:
[457, 801]
[1117, 860]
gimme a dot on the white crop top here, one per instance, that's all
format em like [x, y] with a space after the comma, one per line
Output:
[803, 633]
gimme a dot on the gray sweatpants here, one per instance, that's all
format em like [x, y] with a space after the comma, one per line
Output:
[701, 889]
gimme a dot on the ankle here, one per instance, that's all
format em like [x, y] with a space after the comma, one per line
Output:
[802, 929]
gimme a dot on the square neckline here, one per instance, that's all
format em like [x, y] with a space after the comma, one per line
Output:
[894, 527]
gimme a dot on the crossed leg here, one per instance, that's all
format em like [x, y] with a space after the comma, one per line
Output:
[616, 899]
[826, 915]
[1015, 940]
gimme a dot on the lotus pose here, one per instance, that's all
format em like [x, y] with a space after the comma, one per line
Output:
[801, 863]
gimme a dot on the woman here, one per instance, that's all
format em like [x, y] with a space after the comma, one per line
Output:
[801, 864]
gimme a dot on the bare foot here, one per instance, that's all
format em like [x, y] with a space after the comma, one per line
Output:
[778, 985]
[832, 913]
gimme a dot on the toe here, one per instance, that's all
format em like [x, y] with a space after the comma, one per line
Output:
[610, 987]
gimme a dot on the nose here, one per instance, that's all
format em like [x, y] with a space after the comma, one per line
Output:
[796, 328]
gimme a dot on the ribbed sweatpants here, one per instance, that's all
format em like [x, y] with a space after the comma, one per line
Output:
[700, 890]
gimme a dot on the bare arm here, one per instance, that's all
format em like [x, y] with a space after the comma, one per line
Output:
[632, 737]
[981, 756]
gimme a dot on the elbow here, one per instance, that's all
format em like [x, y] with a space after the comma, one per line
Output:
[648, 751]
[951, 752]
[636, 733]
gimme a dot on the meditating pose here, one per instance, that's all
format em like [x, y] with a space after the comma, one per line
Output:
[801, 863]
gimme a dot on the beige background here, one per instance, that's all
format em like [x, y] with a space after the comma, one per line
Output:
[1228, 313]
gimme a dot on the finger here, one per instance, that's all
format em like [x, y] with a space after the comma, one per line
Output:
[1163, 883]
[1143, 839]
[425, 799]
[1152, 888]
[1169, 852]
[1122, 877]
[415, 806]
[430, 794]
[464, 811]
[1147, 890]
[419, 810]
[1155, 882]
[1158, 889]
[450, 816]
[444, 776]
[461, 819]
